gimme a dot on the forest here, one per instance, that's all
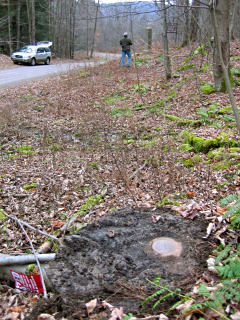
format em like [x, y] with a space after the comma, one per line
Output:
[120, 187]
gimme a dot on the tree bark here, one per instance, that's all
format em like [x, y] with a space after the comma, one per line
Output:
[33, 28]
[94, 30]
[225, 70]
[220, 13]
[18, 23]
[233, 10]
[166, 59]
[9, 27]
[186, 29]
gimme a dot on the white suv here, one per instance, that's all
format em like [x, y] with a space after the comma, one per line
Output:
[33, 54]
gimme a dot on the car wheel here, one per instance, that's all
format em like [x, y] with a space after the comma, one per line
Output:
[15, 62]
[33, 62]
[47, 61]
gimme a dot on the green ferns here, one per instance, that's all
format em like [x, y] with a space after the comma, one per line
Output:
[233, 212]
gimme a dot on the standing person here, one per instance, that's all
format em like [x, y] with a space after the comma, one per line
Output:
[125, 42]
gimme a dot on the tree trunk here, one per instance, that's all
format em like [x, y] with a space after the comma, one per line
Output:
[33, 30]
[18, 23]
[94, 30]
[87, 34]
[29, 21]
[221, 12]
[194, 25]
[225, 70]
[9, 27]
[166, 59]
[186, 28]
[233, 10]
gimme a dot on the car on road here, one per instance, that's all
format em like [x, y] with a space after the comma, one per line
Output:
[33, 54]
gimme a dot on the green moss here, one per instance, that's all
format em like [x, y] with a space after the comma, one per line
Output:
[119, 112]
[159, 104]
[30, 269]
[93, 165]
[207, 88]
[29, 186]
[224, 110]
[235, 72]
[222, 165]
[234, 155]
[188, 162]
[186, 67]
[216, 155]
[24, 148]
[185, 147]
[234, 149]
[196, 159]
[203, 145]
[167, 201]
[183, 122]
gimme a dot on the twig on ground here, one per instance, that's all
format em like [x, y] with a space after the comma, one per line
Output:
[136, 172]
[30, 227]
[35, 255]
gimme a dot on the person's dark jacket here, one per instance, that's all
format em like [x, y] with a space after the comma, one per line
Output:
[125, 43]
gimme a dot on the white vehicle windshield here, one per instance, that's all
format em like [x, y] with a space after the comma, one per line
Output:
[26, 49]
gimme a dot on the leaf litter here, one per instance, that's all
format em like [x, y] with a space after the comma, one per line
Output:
[84, 132]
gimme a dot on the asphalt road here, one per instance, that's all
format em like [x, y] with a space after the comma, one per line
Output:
[12, 77]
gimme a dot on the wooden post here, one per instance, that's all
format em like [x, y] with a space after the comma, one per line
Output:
[149, 39]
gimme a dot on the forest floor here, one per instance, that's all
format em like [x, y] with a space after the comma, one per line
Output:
[122, 133]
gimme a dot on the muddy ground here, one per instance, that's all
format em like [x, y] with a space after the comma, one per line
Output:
[112, 259]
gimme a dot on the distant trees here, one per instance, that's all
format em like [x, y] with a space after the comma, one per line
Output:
[78, 24]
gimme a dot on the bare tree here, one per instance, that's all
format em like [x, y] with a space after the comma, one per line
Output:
[94, 30]
[233, 12]
[166, 59]
[220, 31]
[220, 11]
[9, 26]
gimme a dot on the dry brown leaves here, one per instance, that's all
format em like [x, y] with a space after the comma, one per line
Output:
[88, 131]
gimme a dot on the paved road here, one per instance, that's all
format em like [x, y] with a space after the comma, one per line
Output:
[19, 75]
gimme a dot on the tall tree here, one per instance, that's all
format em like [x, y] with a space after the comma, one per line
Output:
[220, 12]
[9, 26]
[166, 58]
[94, 30]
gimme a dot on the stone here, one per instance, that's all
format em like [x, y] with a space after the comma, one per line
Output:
[90, 263]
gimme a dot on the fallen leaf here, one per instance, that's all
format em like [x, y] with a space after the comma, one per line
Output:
[221, 210]
[12, 316]
[57, 224]
[17, 308]
[209, 230]
[111, 234]
[236, 316]
[191, 194]
[45, 316]
[117, 314]
[91, 305]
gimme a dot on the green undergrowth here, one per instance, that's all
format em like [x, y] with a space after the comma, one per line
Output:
[182, 121]
[207, 88]
[205, 145]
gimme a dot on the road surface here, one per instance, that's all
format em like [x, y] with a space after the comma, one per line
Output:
[12, 77]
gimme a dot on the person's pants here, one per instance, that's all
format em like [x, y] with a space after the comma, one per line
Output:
[124, 53]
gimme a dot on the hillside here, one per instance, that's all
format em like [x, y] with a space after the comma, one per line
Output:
[110, 137]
